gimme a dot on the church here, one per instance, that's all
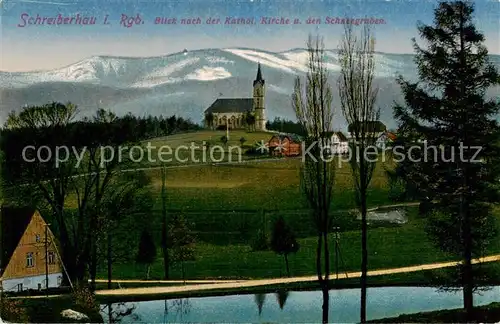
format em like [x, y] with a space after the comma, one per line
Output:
[232, 112]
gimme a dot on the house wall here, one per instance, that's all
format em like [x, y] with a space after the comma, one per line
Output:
[32, 282]
[17, 267]
[236, 120]
[289, 148]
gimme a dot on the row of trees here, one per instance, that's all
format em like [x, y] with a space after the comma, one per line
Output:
[446, 107]
[88, 201]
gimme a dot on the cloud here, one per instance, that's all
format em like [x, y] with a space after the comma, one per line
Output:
[48, 2]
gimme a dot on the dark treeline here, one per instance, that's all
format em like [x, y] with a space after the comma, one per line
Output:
[150, 127]
[286, 126]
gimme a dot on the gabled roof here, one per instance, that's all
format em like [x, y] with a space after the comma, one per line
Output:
[13, 222]
[239, 105]
[374, 126]
[340, 135]
[391, 136]
[293, 138]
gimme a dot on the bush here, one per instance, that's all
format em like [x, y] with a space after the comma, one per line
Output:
[260, 242]
[84, 300]
[13, 311]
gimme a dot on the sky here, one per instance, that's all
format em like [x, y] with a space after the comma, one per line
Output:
[42, 47]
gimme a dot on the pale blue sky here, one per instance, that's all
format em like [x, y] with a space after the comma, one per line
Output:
[46, 47]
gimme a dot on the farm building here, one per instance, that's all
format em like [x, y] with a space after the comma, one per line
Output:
[29, 251]
[285, 145]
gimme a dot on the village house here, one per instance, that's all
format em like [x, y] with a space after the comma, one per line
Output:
[385, 140]
[231, 113]
[28, 251]
[285, 145]
[337, 142]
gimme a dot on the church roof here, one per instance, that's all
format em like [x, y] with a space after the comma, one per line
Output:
[13, 222]
[229, 105]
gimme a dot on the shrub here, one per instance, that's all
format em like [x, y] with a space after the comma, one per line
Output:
[84, 300]
[260, 242]
[13, 311]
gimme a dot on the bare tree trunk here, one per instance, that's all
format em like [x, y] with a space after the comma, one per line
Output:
[287, 266]
[110, 262]
[364, 257]
[357, 96]
[164, 246]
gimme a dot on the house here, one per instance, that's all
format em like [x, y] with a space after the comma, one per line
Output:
[285, 145]
[232, 112]
[337, 141]
[27, 248]
[374, 128]
[385, 140]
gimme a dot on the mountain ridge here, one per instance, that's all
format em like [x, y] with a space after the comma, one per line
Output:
[187, 82]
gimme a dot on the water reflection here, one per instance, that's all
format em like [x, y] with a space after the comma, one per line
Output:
[117, 312]
[176, 310]
[292, 307]
[259, 300]
[326, 304]
[281, 297]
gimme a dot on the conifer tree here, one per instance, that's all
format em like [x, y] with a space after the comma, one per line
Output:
[147, 251]
[448, 116]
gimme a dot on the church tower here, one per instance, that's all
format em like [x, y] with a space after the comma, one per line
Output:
[258, 101]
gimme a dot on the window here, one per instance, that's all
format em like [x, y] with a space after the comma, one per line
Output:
[52, 258]
[29, 260]
[37, 238]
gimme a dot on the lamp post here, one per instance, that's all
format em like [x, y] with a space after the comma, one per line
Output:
[46, 259]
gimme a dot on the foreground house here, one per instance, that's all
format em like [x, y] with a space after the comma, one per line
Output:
[26, 259]
[285, 145]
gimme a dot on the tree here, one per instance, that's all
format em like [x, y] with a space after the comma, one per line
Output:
[283, 241]
[147, 251]
[312, 103]
[181, 241]
[357, 97]
[250, 120]
[164, 223]
[447, 110]
[209, 118]
[129, 199]
[51, 126]
[224, 139]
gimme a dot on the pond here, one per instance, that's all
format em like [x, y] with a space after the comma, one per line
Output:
[293, 306]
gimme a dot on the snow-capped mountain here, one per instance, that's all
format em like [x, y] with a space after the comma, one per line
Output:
[187, 83]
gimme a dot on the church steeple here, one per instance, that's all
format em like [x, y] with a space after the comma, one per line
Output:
[258, 101]
[259, 78]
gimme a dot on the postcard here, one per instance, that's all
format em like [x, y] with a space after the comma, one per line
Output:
[249, 161]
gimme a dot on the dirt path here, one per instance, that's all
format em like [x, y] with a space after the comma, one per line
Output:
[264, 282]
